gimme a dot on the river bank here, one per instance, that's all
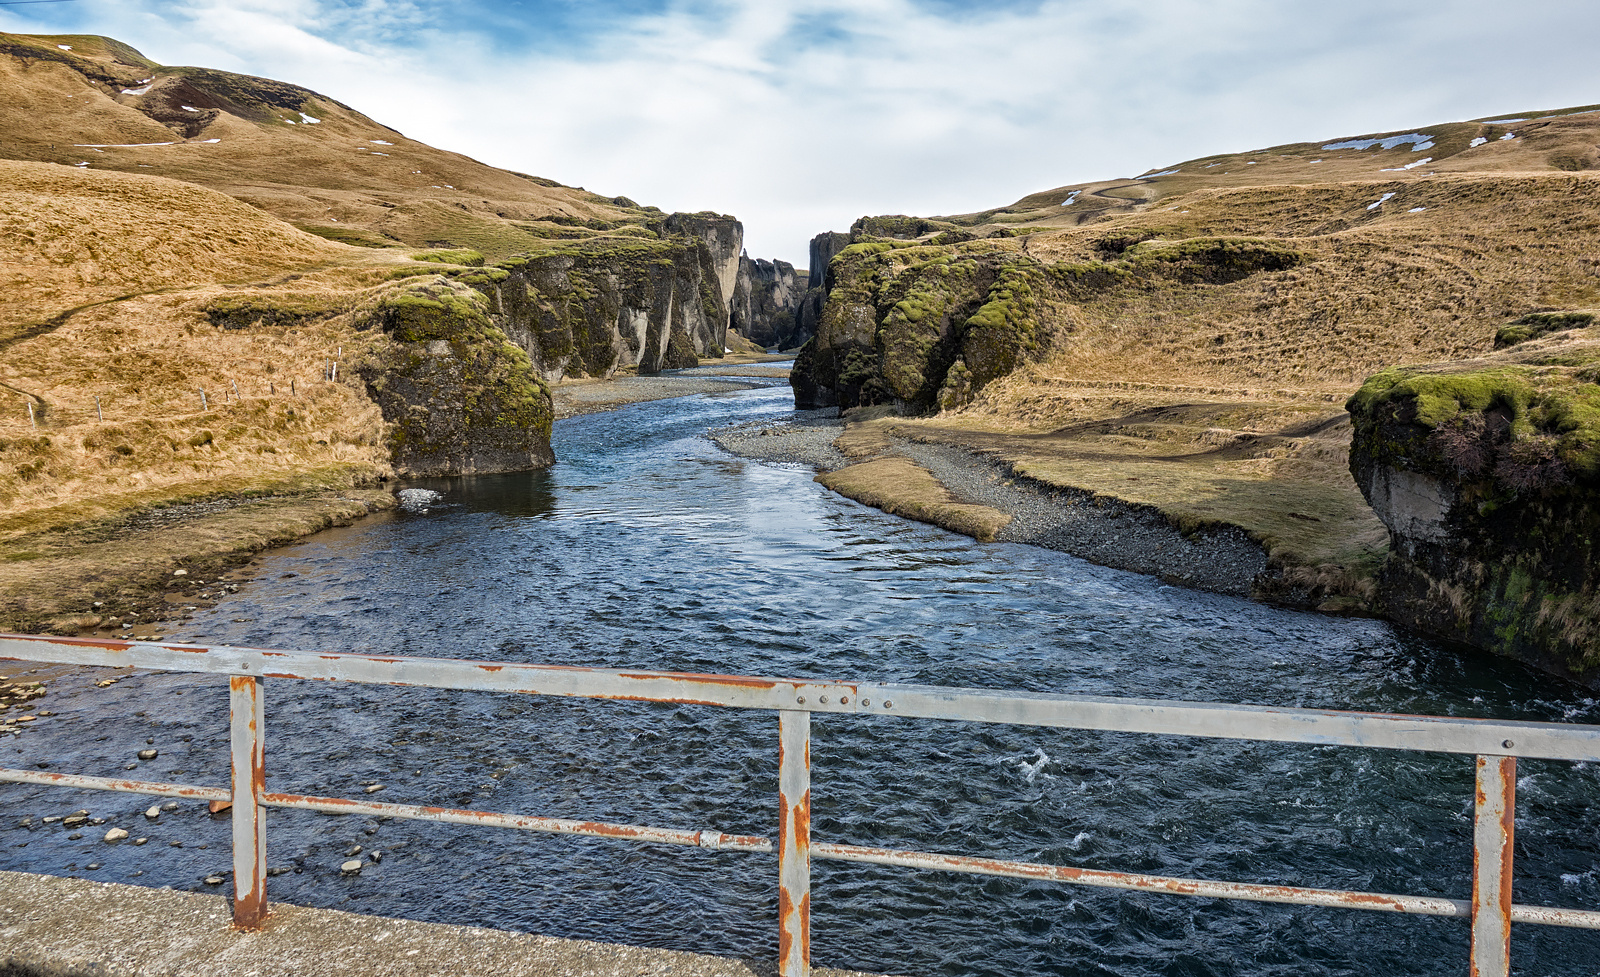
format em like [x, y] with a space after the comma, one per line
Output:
[139, 571]
[965, 492]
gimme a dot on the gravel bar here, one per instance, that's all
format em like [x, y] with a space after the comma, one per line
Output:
[1101, 530]
[805, 440]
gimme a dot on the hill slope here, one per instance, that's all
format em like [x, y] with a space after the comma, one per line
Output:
[235, 306]
[306, 158]
[1187, 339]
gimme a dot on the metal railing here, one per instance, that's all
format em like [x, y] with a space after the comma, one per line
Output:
[1497, 745]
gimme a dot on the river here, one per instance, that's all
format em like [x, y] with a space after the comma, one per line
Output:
[646, 546]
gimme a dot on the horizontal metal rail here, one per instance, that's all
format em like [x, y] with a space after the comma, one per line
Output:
[1496, 745]
[1321, 727]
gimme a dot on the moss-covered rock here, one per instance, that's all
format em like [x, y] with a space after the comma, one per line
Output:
[457, 395]
[1487, 474]
[591, 307]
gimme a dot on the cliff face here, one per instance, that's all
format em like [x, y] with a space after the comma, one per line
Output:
[650, 303]
[809, 316]
[1487, 474]
[459, 397]
[924, 325]
[766, 299]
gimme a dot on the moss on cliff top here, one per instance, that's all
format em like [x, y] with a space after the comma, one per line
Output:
[451, 256]
[1542, 415]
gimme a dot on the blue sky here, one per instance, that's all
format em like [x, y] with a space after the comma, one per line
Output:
[801, 115]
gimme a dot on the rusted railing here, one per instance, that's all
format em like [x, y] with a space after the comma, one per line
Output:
[1495, 744]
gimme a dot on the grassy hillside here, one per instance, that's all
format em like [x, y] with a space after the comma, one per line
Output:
[1188, 338]
[201, 272]
[303, 157]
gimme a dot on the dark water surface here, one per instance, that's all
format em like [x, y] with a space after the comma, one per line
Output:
[648, 547]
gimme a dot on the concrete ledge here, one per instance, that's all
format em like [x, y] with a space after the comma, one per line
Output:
[59, 927]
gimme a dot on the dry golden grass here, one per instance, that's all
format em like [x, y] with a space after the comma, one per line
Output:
[1223, 402]
[69, 238]
[900, 487]
[346, 175]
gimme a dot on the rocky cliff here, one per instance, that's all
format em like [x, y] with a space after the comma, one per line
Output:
[1487, 474]
[809, 316]
[458, 396]
[923, 325]
[656, 300]
[766, 300]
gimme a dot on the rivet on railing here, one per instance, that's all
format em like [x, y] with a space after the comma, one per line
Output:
[1508, 744]
[866, 702]
[800, 699]
[844, 700]
[822, 699]
[887, 704]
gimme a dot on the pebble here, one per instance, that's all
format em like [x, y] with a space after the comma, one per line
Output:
[353, 852]
[214, 880]
[153, 813]
[116, 834]
[149, 754]
[140, 841]
[170, 806]
[373, 789]
[75, 836]
[180, 573]
[73, 820]
[92, 866]
[352, 867]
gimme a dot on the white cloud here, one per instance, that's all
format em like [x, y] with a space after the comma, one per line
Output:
[801, 115]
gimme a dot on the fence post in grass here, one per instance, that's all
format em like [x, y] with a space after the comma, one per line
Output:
[236, 397]
[203, 399]
[31, 419]
[97, 412]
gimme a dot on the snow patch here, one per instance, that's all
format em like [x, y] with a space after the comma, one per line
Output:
[379, 154]
[1070, 198]
[308, 120]
[1509, 135]
[1416, 210]
[381, 142]
[1381, 201]
[64, 47]
[84, 163]
[211, 140]
[1316, 161]
[1408, 166]
[1152, 176]
[1476, 142]
[136, 91]
[189, 108]
[1416, 140]
[1502, 122]
[116, 145]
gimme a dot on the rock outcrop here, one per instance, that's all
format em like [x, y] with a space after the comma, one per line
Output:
[809, 317]
[459, 397]
[1487, 474]
[651, 301]
[766, 299]
[923, 325]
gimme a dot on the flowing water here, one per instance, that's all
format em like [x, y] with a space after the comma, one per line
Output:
[648, 547]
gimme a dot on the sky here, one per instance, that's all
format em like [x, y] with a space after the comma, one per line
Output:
[798, 116]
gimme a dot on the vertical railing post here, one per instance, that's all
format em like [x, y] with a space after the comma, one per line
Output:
[794, 843]
[249, 817]
[1493, 825]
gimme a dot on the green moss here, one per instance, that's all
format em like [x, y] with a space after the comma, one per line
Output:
[457, 256]
[1538, 324]
[1209, 261]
